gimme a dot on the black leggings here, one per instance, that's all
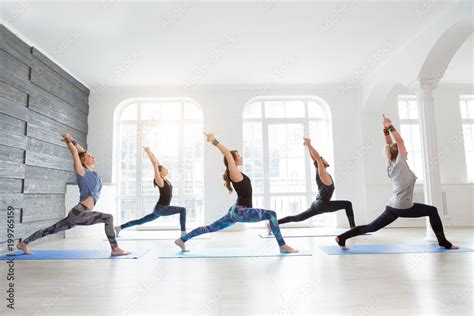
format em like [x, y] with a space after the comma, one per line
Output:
[320, 207]
[391, 214]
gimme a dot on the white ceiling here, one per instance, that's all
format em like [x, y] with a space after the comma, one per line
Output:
[117, 43]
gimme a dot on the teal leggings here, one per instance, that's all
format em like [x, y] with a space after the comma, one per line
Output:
[239, 213]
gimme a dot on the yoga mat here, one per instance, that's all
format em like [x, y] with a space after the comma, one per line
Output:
[154, 235]
[69, 255]
[320, 232]
[229, 253]
[389, 249]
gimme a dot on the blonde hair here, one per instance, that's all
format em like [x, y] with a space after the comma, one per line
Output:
[391, 151]
[82, 156]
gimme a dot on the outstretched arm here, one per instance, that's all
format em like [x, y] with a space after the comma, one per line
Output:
[402, 150]
[316, 157]
[154, 161]
[386, 124]
[235, 174]
[74, 149]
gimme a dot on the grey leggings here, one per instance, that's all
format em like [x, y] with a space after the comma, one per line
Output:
[82, 216]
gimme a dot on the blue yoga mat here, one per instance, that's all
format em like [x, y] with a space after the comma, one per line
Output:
[229, 253]
[388, 249]
[297, 233]
[70, 255]
[153, 235]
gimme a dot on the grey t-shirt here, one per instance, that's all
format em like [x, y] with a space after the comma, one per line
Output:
[403, 181]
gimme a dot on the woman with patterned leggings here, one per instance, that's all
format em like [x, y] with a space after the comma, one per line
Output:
[242, 211]
[401, 204]
[163, 207]
[82, 214]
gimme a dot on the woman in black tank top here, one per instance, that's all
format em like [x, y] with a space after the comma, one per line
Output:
[323, 203]
[242, 211]
[162, 207]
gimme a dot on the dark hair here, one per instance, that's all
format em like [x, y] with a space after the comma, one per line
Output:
[226, 175]
[160, 167]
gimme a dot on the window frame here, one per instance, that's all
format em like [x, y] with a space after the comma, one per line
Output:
[305, 121]
[140, 124]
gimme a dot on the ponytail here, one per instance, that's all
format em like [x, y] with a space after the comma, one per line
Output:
[226, 175]
[226, 178]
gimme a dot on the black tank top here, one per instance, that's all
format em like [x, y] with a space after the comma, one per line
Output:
[166, 192]
[325, 191]
[244, 191]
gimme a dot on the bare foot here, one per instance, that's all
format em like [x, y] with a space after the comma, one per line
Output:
[269, 229]
[287, 249]
[181, 245]
[24, 247]
[119, 252]
[453, 247]
[343, 247]
[117, 230]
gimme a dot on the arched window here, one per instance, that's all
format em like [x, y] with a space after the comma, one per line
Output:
[274, 156]
[172, 128]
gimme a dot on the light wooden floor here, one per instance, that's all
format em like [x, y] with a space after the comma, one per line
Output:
[408, 284]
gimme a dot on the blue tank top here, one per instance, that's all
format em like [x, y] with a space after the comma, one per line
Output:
[89, 184]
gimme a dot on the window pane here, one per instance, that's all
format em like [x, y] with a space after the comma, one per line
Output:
[468, 139]
[315, 110]
[128, 209]
[294, 109]
[163, 139]
[470, 108]
[284, 144]
[464, 113]
[288, 205]
[413, 109]
[128, 159]
[129, 113]
[171, 110]
[274, 109]
[253, 153]
[402, 109]
[192, 111]
[253, 110]
[150, 111]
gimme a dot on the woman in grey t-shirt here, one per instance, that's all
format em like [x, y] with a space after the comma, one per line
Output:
[401, 203]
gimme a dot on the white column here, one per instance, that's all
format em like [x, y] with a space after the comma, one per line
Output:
[432, 179]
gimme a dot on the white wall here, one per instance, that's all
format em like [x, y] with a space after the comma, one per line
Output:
[222, 107]
[459, 198]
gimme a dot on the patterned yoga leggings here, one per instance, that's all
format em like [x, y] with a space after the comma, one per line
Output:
[239, 213]
[82, 216]
[160, 210]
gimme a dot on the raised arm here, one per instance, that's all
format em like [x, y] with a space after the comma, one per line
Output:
[316, 157]
[386, 124]
[73, 148]
[235, 174]
[402, 150]
[158, 179]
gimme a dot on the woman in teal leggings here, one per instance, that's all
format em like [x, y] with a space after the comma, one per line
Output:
[242, 211]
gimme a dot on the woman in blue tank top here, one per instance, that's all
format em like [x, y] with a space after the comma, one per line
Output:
[401, 204]
[90, 185]
[242, 211]
[162, 207]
